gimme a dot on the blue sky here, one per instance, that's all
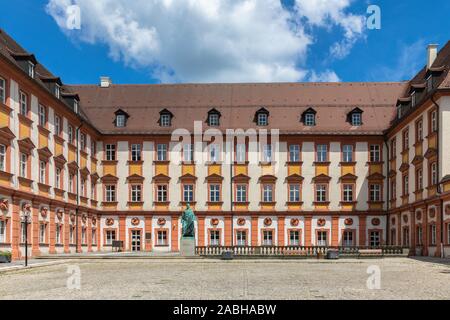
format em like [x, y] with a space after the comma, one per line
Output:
[299, 50]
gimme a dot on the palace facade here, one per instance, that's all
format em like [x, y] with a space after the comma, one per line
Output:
[350, 164]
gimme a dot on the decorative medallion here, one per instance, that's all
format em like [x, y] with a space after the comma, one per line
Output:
[419, 215]
[214, 222]
[26, 207]
[376, 221]
[161, 222]
[135, 221]
[321, 222]
[432, 212]
[44, 212]
[4, 204]
[295, 222]
[109, 222]
[348, 222]
[59, 214]
[241, 221]
[267, 222]
[405, 218]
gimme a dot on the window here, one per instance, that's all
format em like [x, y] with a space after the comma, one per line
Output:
[23, 103]
[267, 238]
[75, 106]
[393, 237]
[347, 238]
[294, 238]
[263, 119]
[110, 193]
[188, 152]
[433, 121]
[31, 69]
[419, 235]
[161, 240]
[375, 239]
[188, 193]
[2, 157]
[42, 229]
[433, 234]
[214, 153]
[267, 153]
[413, 99]
[57, 125]
[42, 172]
[433, 169]
[70, 133]
[419, 179]
[321, 153]
[268, 193]
[419, 131]
[136, 152]
[71, 183]
[83, 187]
[393, 190]
[241, 156]
[82, 141]
[93, 148]
[213, 120]
[347, 153]
[94, 237]
[162, 152]
[110, 236]
[375, 192]
[57, 91]
[405, 185]
[241, 193]
[58, 234]
[356, 119]
[214, 193]
[321, 193]
[241, 238]
[2, 91]
[2, 231]
[348, 193]
[42, 116]
[120, 120]
[310, 119]
[322, 239]
[406, 237]
[93, 191]
[23, 165]
[405, 140]
[294, 193]
[83, 236]
[136, 193]
[375, 153]
[161, 193]
[430, 83]
[393, 149]
[23, 232]
[165, 120]
[294, 153]
[214, 237]
[111, 152]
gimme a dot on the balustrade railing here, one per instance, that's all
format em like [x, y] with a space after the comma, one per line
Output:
[305, 251]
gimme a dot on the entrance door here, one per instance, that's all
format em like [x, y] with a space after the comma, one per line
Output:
[135, 240]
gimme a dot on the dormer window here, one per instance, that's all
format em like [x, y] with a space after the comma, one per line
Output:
[57, 91]
[165, 119]
[262, 117]
[355, 117]
[413, 99]
[75, 106]
[309, 117]
[430, 83]
[121, 118]
[31, 69]
[214, 118]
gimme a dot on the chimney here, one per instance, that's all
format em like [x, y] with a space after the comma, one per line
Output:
[105, 82]
[432, 51]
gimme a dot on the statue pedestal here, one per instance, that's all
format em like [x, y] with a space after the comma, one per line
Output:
[187, 247]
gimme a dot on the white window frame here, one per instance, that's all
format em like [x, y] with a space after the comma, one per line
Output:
[161, 154]
[375, 153]
[294, 193]
[374, 239]
[322, 238]
[241, 238]
[136, 193]
[267, 238]
[23, 165]
[165, 120]
[434, 179]
[375, 192]
[136, 153]
[348, 193]
[188, 193]
[214, 238]
[110, 150]
[2, 231]
[356, 119]
[347, 153]
[120, 121]
[161, 193]
[294, 153]
[241, 193]
[42, 171]
[268, 193]
[433, 121]
[42, 115]
[267, 153]
[161, 239]
[310, 119]
[2, 90]
[263, 119]
[31, 69]
[433, 234]
[188, 152]
[294, 237]
[57, 124]
[110, 236]
[214, 192]
[57, 91]
[213, 120]
[23, 103]
[70, 133]
[321, 193]
[110, 193]
[58, 234]
[42, 232]
[322, 153]
[241, 153]
[214, 153]
[347, 238]
[2, 157]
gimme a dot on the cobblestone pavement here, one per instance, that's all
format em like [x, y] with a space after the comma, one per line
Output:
[401, 278]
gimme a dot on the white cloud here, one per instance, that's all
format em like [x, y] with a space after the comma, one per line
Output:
[326, 76]
[210, 40]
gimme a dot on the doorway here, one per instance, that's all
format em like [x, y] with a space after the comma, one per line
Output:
[135, 240]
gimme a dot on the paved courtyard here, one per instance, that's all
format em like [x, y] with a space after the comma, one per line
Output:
[401, 278]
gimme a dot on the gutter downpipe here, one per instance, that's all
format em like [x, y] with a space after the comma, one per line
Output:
[439, 191]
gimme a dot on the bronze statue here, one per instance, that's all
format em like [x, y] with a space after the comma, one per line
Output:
[187, 221]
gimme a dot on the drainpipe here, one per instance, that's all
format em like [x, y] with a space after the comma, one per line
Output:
[78, 187]
[439, 190]
[388, 193]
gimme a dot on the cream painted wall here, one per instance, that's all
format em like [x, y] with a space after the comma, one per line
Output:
[444, 139]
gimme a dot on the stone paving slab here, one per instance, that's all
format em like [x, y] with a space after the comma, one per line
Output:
[401, 278]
